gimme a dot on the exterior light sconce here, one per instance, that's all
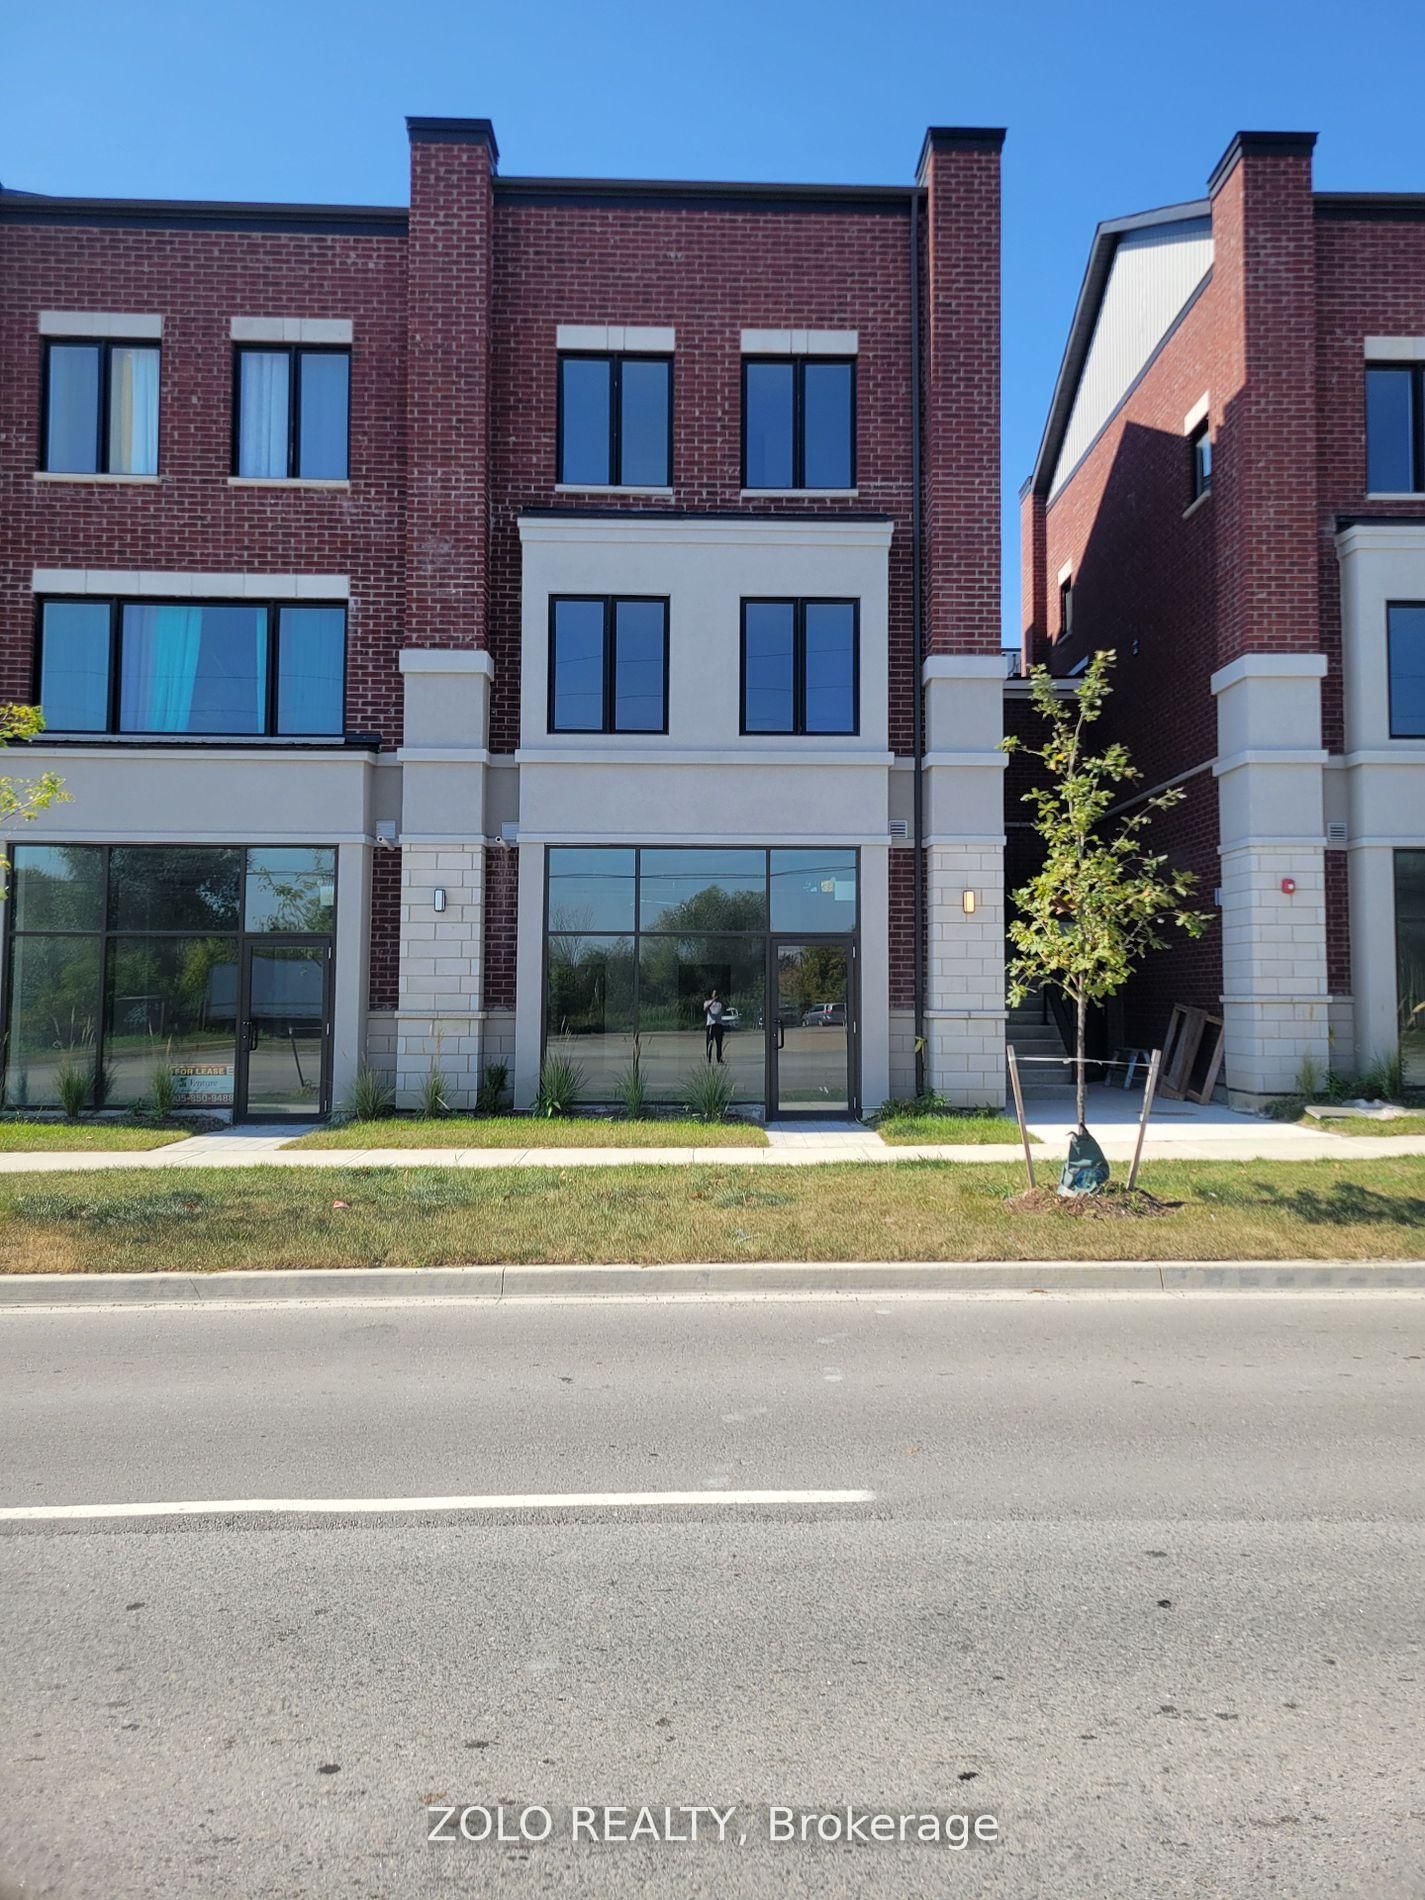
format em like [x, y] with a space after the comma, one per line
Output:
[1288, 886]
[967, 902]
[440, 897]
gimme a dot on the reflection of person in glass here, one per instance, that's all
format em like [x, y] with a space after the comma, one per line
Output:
[712, 1017]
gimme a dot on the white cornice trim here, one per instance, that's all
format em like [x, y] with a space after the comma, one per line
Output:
[963, 666]
[992, 760]
[690, 531]
[654, 337]
[1408, 755]
[800, 342]
[623, 756]
[290, 329]
[1382, 537]
[114, 324]
[1269, 666]
[1395, 349]
[441, 755]
[106, 580]
[812, 840]
[1267, 755]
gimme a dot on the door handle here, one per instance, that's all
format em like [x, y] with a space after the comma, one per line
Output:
[251, 1033]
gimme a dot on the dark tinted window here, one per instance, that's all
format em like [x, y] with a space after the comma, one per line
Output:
[72, 432]
[830, 666]
[702, 889]
[590, 889]
[291, 889]
[322, 416]
[192, 667]
[799, 666]
[814, 890]
[58, 886]
[185, 887]
[768, 665]
[311, 669]
[1391, 397]
[826, 425]
[75, 665]
[1406, 637]
[767, 425]
[577, 666]
[638, 665]
[586, 420]
[1200, 447]
[644, 388]
[798, 422]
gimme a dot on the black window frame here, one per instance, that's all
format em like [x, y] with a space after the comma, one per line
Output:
[799, 365]
[1199, 465]
[116, 604]
[105, 345]
[1390, 607]
[294, 352]
[1066, 608]
[615, 360]
[607, 729]
[798, 728]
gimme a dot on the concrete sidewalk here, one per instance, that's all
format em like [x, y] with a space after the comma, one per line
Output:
[1178, 1131]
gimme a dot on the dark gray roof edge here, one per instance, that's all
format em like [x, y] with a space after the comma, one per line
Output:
[1260, 145]
[577, 513]
[1387, 206]
[441, 131]
[1076, 348]
[693, 189]
[33, 207]
[959, 138]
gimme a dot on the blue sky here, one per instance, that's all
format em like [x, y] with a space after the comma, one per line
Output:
[1112, 106]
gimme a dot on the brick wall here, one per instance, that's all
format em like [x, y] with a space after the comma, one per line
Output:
[502, 877]
[902, 895]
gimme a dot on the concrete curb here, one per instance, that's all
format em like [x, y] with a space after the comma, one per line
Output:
[18, 1291]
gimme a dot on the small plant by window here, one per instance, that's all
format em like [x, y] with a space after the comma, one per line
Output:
[490, 1096]
[72, 1086]
[163, 1087]
[435, 1094]
[372, 1096]
[632, 1090]
[561, 1083]
[708, 1094]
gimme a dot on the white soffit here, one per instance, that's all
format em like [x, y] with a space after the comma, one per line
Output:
[1155, 271]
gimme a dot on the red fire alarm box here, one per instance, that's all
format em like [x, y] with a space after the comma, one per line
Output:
[1288, 886]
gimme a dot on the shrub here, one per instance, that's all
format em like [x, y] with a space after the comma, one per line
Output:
[163, 1089]
[72, 1084]
[708, 1094]
[372, 1096]
[632, 1090]
[435, 1094]
[561, 1083]
[490, 1096]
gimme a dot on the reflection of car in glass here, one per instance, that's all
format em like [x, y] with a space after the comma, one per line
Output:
[824, 1016]
[731, 1019]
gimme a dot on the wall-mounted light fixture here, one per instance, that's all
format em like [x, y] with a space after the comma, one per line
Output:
[440, 897]
[967, 900]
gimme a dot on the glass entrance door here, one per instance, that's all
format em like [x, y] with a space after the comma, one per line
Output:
[286, 1028]
[814, 1030]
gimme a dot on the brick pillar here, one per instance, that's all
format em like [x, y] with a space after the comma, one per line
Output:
[963, 677]
[446, 669]
[1033, 580]
[1270, 763]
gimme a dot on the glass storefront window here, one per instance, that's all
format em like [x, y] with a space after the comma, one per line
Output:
[292, 890]
[591, 890]
[54, 1016]
[174, 887]
[706, 917]
[702, 890]
[676, 977]
[814, 890]
[589, 1008]
[172, 1001]
[1410, 963]
[57, 886]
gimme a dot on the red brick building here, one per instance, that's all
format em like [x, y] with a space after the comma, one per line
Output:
[490, 626]
[1230, 494]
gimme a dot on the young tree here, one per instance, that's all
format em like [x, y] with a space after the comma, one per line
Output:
[24, 798]
[1100, 898]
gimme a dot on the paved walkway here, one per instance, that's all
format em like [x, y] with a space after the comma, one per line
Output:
[1183, 1131]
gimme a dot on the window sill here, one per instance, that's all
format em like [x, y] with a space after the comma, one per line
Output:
[109, 481]
[284, 481]
[798, 494]
[1395, 494]
[1194, 505]
[620, 488]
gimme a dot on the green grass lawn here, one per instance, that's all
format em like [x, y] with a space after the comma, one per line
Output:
[1359, 1125]
[529, 1131]
[901, 1130]
[199, 1220]
[17, 1136]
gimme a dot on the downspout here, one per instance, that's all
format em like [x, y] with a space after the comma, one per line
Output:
[918, 644]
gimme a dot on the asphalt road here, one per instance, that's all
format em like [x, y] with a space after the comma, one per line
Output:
[1141, 1578]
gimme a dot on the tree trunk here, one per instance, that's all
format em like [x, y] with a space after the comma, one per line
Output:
[1080, 1084]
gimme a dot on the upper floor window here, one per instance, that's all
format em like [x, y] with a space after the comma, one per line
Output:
[799, 666]
[798, 422]
[230, 667]
[1066, 608]
[608, 664]
[615, 421]
[1200, 464]
[291, 414]
[100, 408]
[1405, 639]
[1395, 432]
